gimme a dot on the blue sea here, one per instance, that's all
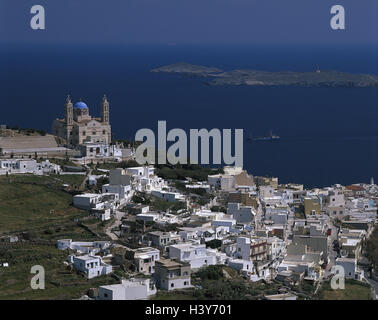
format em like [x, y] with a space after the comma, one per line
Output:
[328, 135]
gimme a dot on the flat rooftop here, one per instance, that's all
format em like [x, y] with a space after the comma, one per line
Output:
[168, 263]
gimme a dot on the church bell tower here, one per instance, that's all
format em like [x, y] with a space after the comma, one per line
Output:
[68, 111]
[105, 110]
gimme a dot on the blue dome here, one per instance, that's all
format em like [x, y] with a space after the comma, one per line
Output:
[80, 105]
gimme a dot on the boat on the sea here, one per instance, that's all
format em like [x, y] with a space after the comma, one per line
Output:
[271, 137]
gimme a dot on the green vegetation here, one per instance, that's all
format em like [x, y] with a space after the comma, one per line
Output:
[28, 131]
[63, 162]
[218, 209]
[61, 281]
[371, 248]
[163, 205]
[115, 165]
[181, 172]
[40, 211]
[221, 283]
[34, 202]
[354, 290]
[156, 203]
[214, 244]
[74, 180]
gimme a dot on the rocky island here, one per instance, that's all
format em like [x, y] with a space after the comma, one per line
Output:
[187, 68]
[317, 78]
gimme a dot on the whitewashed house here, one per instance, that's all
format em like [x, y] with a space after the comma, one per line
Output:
[92, 266]
[88, 201]
[90, 248]
[195, 254]
[131, 289]
[13, 166]
[242, 214]
[171, 275]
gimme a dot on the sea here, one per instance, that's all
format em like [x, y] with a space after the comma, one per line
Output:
[328, 135]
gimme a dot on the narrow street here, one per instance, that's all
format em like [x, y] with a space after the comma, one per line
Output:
[332, 254]
[116, 223]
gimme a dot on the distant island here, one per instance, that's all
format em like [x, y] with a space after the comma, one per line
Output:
[317, 78]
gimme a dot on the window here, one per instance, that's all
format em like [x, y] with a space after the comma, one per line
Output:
[185, 283]
[172, 285]
[103, 131]
[105, 295]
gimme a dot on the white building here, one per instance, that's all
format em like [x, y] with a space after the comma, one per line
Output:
[88, 201]
[92, 266]
[171, 275]
[100, 150]
[89, 248]
[276, 248]
[131, 289]
[124, 192]
[12, 166]
[144, 179]
[198, 185]
[169, 196]
[242, 214]
[120, 183]
[195, 254]
[227, 223]
[144, 259]
[266, 191]
[350, 268]
[46, 167]
[222, 181]
[148, 217]
[102, 214]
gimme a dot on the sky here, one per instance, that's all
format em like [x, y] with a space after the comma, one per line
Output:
[175, 22]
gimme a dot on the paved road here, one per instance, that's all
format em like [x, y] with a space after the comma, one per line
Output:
[117, 222]
[373, 283]
[83, 184]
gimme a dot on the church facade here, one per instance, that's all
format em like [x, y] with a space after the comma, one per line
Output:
[78, 127]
